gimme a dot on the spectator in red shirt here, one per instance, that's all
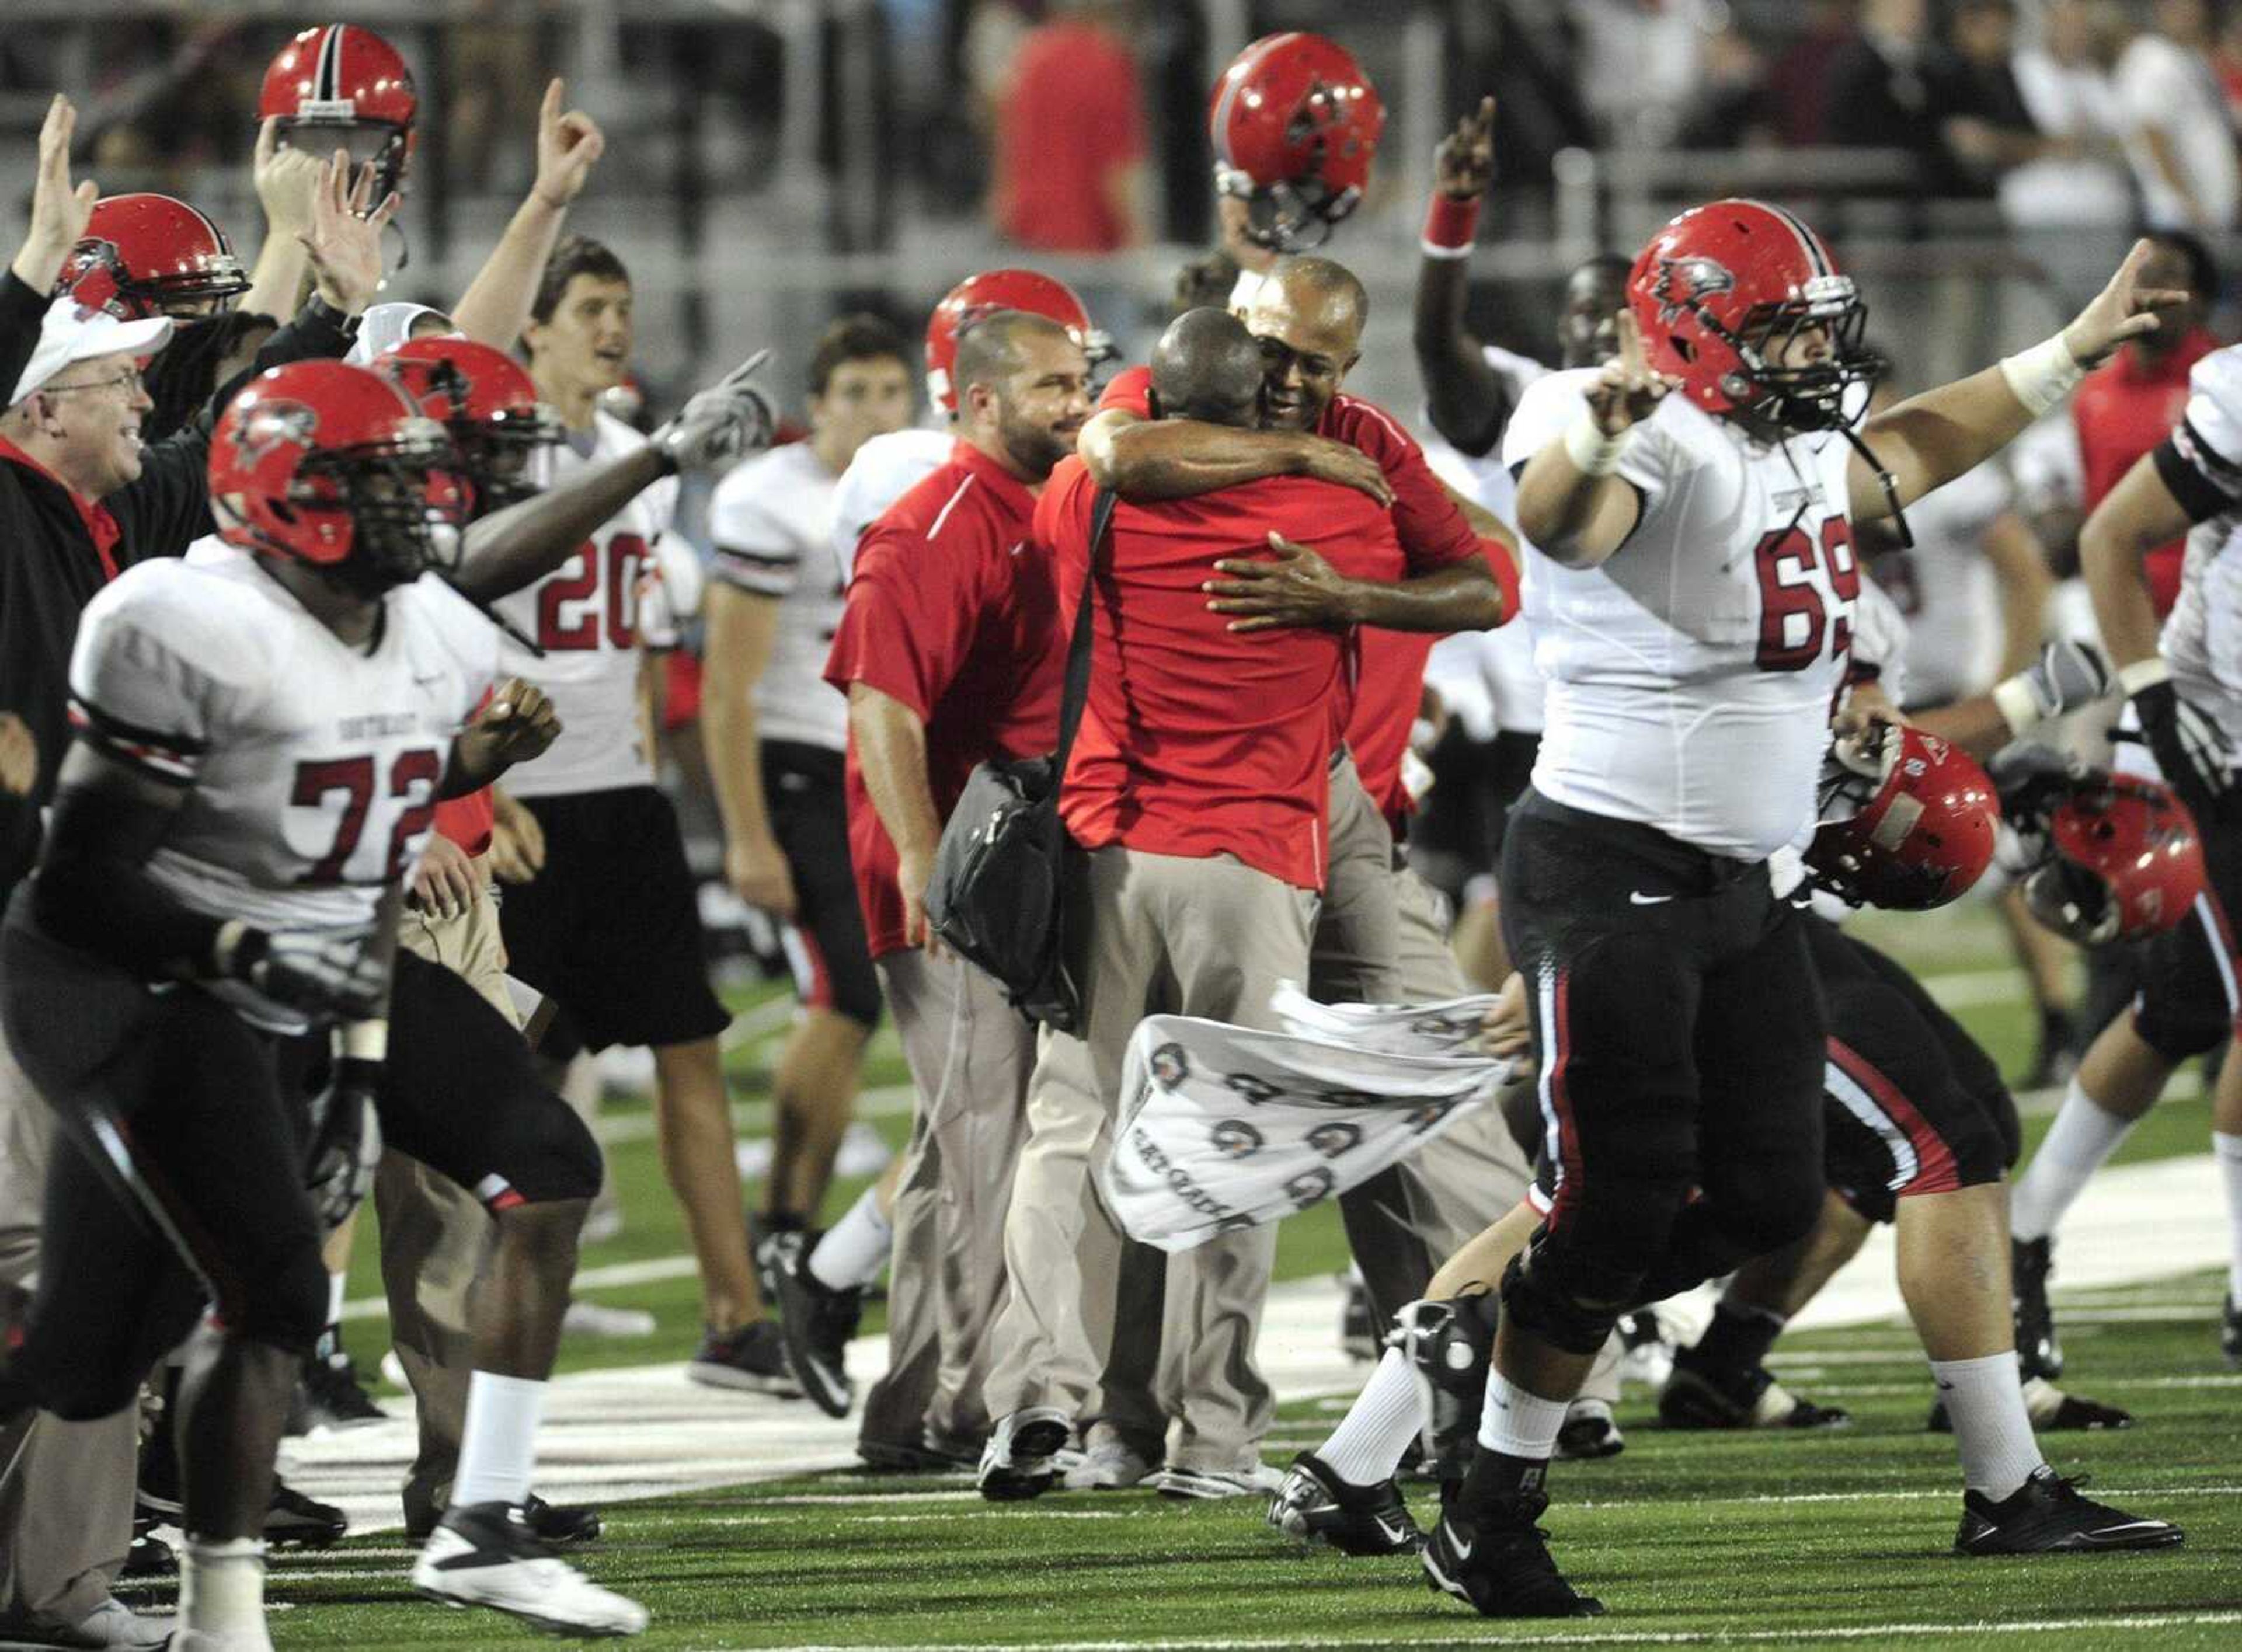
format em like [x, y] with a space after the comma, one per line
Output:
[2129, 404]
[949, 652]
[1070, 165]
[1197, 787]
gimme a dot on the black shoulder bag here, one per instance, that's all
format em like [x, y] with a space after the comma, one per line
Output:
[994, 896]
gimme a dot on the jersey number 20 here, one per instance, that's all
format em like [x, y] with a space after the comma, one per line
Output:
[1792, 616]
[563, 625]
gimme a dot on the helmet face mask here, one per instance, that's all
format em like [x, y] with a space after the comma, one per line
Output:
[486, 404]
[396, 496]
[1816, 394]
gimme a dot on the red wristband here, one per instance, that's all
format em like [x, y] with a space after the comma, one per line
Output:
[1503, 563]
[1451, 225]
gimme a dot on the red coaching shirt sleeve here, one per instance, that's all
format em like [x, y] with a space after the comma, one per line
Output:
[908, 619]
[1131, 390]
[1433, 533]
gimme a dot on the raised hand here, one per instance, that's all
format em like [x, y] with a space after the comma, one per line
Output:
[1626, 391]
[286, 179]
[2122, 309]
[717, 425]
[1463, 165]
[518, 724]
[59, 209]
[344, 240]
[569, 147]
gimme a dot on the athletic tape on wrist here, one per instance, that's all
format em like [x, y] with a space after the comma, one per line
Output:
[1451, 226]
[2043, 375]
[1595, 454]
[365, 1040]
[2144, 673]
[2019, 706]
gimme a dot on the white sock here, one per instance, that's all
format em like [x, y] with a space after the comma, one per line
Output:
[498, 1447]
[336, 1284]
[2083, 1135]
[856, 1248]
[1367, 1447]
[222, 1589]
[2227, 1150]
[1984, 1400]
[1519, 1424]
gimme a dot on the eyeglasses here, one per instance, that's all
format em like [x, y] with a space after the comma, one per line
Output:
[132, 380]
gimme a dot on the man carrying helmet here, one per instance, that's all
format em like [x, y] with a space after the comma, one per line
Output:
[2185, 685]
[1694, 583]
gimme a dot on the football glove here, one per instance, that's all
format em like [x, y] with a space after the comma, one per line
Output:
[2190, 747]
[2067, 677]
[719, 424]
[329, 973]
[345, 1144]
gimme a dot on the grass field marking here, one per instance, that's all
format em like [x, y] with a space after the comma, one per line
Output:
[1622, 1637]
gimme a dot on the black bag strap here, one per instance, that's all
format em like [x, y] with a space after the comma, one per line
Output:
[1077, 694]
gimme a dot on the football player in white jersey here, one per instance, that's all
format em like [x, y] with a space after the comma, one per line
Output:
[776, 735]
[610, 928]
[1691, 595]
[261, 744]
[2185, 689]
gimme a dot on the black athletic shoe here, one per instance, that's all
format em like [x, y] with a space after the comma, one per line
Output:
[2230, 1333]
[1588, 1432]
[2046, 1515]
[752, 1358]
[1707, 1396]
[329, 1396]
[1497, 1561]
[912, 1457]
[1316, 1506]
[2031, 1262]
[293, 1521]
[770, 1247]
[148, 1555]
[816, 1322]
[562, 1525]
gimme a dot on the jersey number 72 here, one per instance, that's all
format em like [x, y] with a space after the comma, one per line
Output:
[413, 777]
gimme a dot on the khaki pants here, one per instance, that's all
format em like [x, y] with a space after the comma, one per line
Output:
[1154, 933]
[970, 1054]
[434, 1233]
[65, 1488]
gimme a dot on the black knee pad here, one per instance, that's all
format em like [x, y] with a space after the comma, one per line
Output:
[549, 1153]
[1540, 1294]
[855, 993]
[1981, 1152]
[283, 1306]
[1766, 1214]
[77, 1385]
[2179, 1032]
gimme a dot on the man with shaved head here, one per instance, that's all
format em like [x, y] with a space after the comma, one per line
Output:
[951, 653]
[1197, 790]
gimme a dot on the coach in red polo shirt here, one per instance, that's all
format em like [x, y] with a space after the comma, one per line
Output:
[949, 652]
[2131, 403]
[1199, 787]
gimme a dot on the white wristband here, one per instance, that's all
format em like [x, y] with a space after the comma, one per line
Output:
[362, 1040]
[2019, 706]
[2143, 673]
[2043, 375]
[1593, 453]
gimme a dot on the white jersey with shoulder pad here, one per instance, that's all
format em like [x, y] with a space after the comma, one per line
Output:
[771, 522]
[1946, 587]
[1690, 675]
[2202, 639]
[584, 614]
[311, 766]
[884, 469]
[1503, 656]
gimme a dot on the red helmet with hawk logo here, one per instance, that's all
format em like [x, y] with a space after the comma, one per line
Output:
[2124, 861]
[1923, 824]
[1295, 125]
[1722, 290]
[488, 403]
[340, 78]
[331, 465]
[147, 255]
[982, 295]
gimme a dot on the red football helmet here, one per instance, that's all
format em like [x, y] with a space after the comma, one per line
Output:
[331, 465]
[1720, 290]
[1923, 826]
[2125, 862]
[1294, 123]
[340, 78]
[488, 403]
[149, 255]
[981, 295]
